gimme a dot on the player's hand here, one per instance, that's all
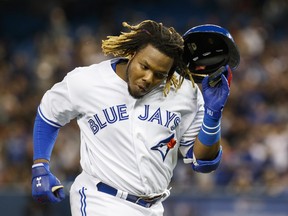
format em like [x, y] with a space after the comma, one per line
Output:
[215, 97]
[45, 186]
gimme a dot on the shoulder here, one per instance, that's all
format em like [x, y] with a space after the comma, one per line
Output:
[188, 97]
[94, 68]
[91, 73]
[190, 93]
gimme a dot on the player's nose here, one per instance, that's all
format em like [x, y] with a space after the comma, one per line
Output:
[148, 76]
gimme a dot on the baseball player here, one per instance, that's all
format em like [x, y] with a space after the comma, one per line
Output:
[135, 112]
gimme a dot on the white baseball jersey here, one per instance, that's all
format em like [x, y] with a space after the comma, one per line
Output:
[130, 144]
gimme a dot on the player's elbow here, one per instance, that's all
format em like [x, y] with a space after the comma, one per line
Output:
[207, 166]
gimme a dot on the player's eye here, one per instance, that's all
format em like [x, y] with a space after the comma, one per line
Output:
[159, 75]
[143, 67]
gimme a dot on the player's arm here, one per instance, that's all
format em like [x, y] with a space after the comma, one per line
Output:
[45, 186]
[56, 109]
[207, 150]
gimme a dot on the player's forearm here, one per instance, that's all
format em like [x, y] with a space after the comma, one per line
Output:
[204, 152]
[44, 137]
[40, 161]
[207, 144]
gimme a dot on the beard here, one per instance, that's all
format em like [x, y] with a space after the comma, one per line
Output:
[134, 94]
[131, 92]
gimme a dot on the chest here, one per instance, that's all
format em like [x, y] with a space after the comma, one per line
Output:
[109, 107]
[145, 115]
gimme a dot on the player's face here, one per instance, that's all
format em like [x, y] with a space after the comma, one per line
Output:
[146, 70]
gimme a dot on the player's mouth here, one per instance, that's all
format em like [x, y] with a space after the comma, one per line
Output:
[142, 88]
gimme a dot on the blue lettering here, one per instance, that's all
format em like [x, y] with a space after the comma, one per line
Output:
[119, 113]
[114, 117]
[169, 118]
[146, 113]
[116, 113]
[156, 116]
[94, 127]
[101, 125]
[177, 121]
[122, 112]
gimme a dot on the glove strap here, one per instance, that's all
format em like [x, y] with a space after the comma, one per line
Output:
[210, 131]
[213, 114]
[40, 169]
[46, 165]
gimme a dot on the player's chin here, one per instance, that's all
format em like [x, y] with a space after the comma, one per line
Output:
[136, 93]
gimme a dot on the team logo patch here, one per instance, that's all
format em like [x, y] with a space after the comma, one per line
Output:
[165, 145]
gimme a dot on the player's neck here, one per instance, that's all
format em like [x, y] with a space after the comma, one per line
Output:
[121, 70]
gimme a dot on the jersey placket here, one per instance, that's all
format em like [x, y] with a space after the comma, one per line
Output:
[139, 144]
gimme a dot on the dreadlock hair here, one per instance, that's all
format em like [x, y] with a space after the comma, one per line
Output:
[165, 39]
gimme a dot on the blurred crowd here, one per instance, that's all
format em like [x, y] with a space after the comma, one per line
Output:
[41, 41]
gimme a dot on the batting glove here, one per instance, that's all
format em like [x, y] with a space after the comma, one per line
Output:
[45, 186]
[215, 97]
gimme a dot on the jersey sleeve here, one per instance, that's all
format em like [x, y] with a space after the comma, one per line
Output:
[189, 137]
[56, 107]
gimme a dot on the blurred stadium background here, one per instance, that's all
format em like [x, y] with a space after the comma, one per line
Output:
[40, 41]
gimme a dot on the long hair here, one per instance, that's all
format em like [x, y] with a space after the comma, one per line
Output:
[163, 38]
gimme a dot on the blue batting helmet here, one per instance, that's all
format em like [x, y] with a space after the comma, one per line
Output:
[207, 48]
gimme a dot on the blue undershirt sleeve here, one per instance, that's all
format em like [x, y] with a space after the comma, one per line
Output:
[44, 138]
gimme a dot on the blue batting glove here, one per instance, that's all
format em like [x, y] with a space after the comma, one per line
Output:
[215, 97]
[45, 186]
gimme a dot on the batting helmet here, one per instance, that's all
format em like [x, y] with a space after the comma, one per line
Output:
[207, 48]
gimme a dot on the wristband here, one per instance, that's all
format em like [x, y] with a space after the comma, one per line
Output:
[210, 131]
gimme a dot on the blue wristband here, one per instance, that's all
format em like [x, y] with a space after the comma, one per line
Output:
[44, 137]
[210, 131]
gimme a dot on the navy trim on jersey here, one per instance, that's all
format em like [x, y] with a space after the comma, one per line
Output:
[116, 61]
[83, 201]
[47, 120]
[188, 143]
